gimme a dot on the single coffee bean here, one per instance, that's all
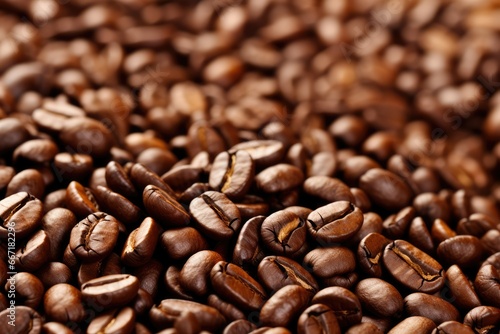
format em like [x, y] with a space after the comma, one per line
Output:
[80, 200]
[143, 302]
[180, 178]
[28, 180]
[342, 302]
[70, 259]
[284, 306]
[34, 253]
[241, 326]
[419, 235]
[236, 286]
[57, 224]
[142, 177]
[462, 291]
[483, 319]
[413, 268]
[476, 224]
[276, 272]
[116, 321]
[117, 205]
[173, 285]
[164, 208]
[72, 166]
[186, 323]
[395, 226]
[165, 314]
[6, 174]
[487, 284]
[193, 191]
[55, 328]
[13, 132]
[271, 330]
[463, 250]
[232, 174]
[229, 311]
[440, 231]
[364, 328]
[20, 213]
[110, 265]
[94, 237]
[111, 291]
[149, 276]
[28, 289]
[252, 206]
[346, 281]
[452, 327]
[54, 273]
[415, 324]
[383, 324]
[318, 318]
[284, 233]
[354, 167]
[430, 207]
[27, 321]
[490, 241]
[248, 250]
[279, 178]
[264, 153]
[195, 274]
[432, 307]
[335, 222]
[216, 216]
[330, 261]
[379, 298]
[327, 189]
[361, 199]
[158, 160]
[117, 179]
[369, 254]
[182, 242]
[141, 243]
[203, 138]
[385, 189]
[63, 303]
[372, 223]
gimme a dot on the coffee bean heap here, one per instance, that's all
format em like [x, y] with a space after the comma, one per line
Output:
[249, 166]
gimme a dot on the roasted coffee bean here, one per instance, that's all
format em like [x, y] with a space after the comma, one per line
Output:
[149, 276]
[20, 213]
[252, 206]
[415, 324]
[86, 136]
[264, 153]
[195, 274]
[379, 298]
[385, 189]
[203, 138]
[440, 231]
[54, 273]
[430, 207]
[158, 160]
[173, 285]
[490, 241]
[395, 226]
[232, 174]
[283, 233]
[344, 304]
[28, 180]
[57, 224]
[487, 284]
[142, 177]
[248, 250]
[318, 318]
[346, 281]
[72, 166]
[279, 178]
[180, 178]
[54, 199]
[186, 323]
[164, 208]
[355, 167]
[364, 328]
[476, 224]
[463, 250]
[13, 132]
[372, 223]
[330, 261]
[143, 302]
[6, 174]
[34, 253]
[116, 321]
[141, 243]
[229, 311]
[463, 296]
[165, 314]
[419, 235]
[215, 215]
[28, 289]
[241, 326]
[236, 286]
[452, 327]
[117, 205]
[111, 291]
[63, 303]
[271, 330]
[118, 180]
[110, 265]
[276, 272]
[361, 200]
[413, 268]
[193, 191]
[80, 200]
[494, 260]
[432, 307]
[335, 222]
[55, 328]
[284, 306]
[483, 319]
[27, 320]
[182, 242]
[94, 237]
[370, 252]
[327, 189]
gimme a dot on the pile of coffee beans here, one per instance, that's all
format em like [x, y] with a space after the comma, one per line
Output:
[249, 166]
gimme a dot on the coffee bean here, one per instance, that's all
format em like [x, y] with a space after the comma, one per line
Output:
[72, 166]
[415, 324]
[335, 222]
[116, 321]
[279, 178]
[164, 208]
[186, 323]
[13, 133]
[232, 174]
[94, 237]
[195, 274]
[463, 250]
[252, 206]
[149, 276]
[264, 153]
[215, 215]
[344, 304]
[413, 268]
[21, 212]
[193, 191]
[487, 284]
[55, 328]
[276, 272]
[117, 205]
[452, 327]
[432, 307]
[203, 138]
[30, 181]
[117, 179]
[490, 241]
[229, 311]
[173, 285]
[395, 226]
[182, 242]
[57, 224]
[80, 200]
[346, 281]
[110, 265]
[356, 166]
[54, 273]
[328, 189]
[29, 289]
[284, 306]
[241, 326]
[379, 297]
[86, 136]
[318, 318]
[111, 291]
[330, 261]
[6, 174]
[63, 303]
[247, 250]
[440, 231]
[27, 321]
[142, 177]
[430, 206]
[158, 160]
[34, 253]
[483, 319]
[364, 328]
[141, 243]
[463, 295]
[419, 235]
[233, 284]
[385, 189]
[284, 233]
[143, 302]
[180, 178]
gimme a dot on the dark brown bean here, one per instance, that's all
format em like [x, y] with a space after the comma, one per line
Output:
[63, 303]
[116, 321]
[342, 302]
[276, 272]
[432, 307]
[141, 243]
[182, 242]
[318, 318]
[379, 298]
[194, 276]
[415, 324]
[232, 174]
[463, 250]
[284, 306]
[284, 233]
[22, 212]
[164, 208]
[111, 291]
